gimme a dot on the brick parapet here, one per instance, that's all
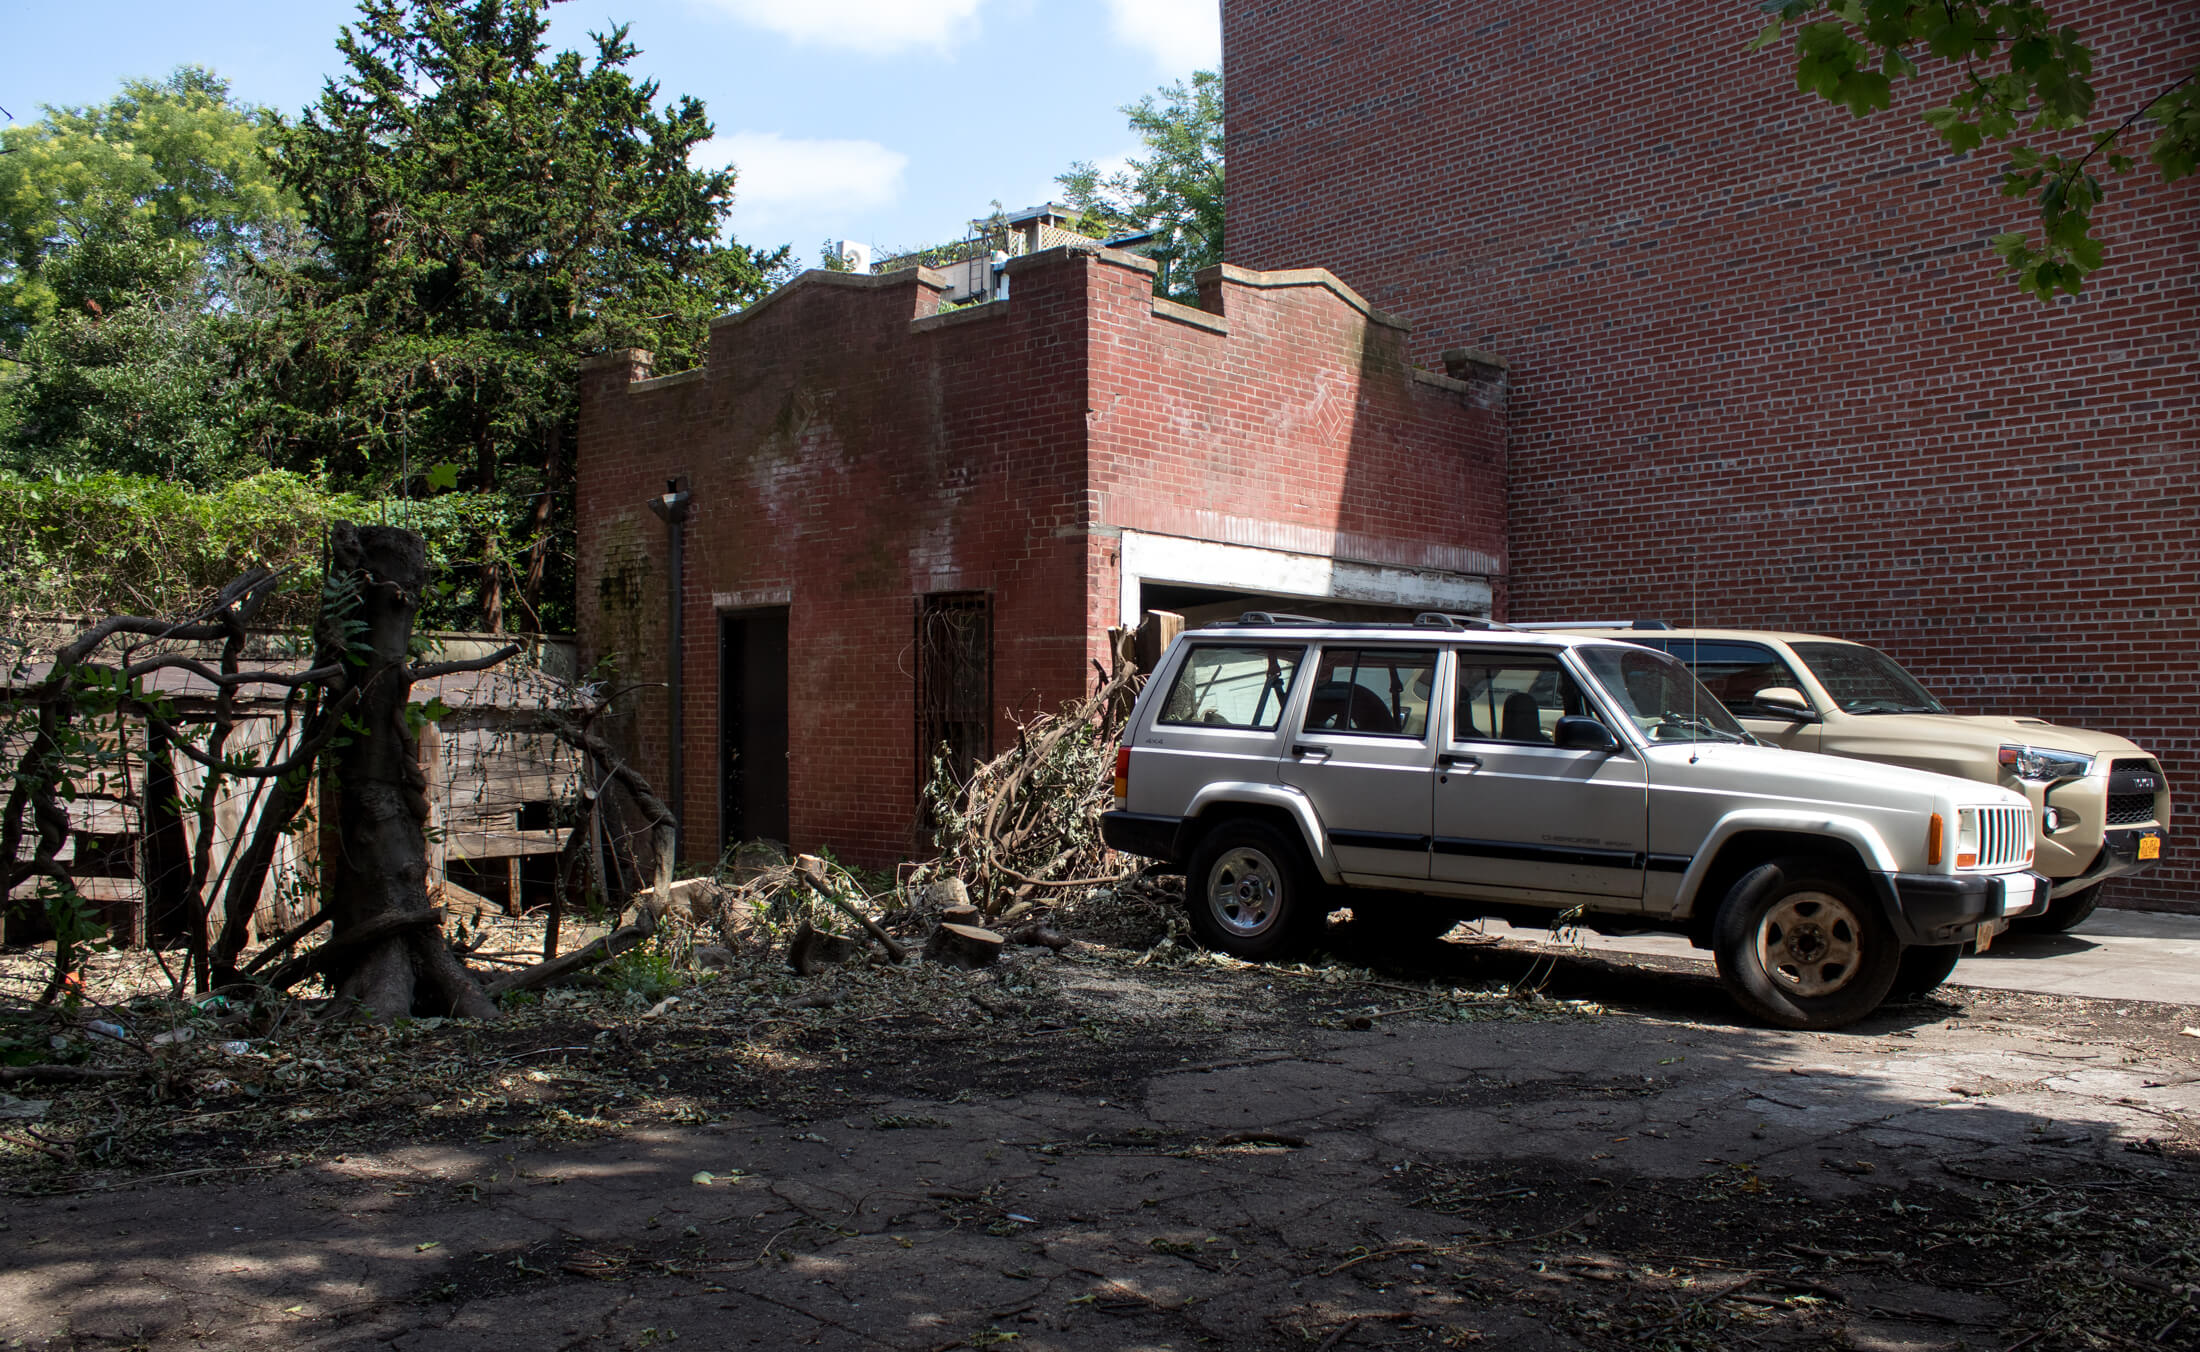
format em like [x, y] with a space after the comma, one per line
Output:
[852, 449]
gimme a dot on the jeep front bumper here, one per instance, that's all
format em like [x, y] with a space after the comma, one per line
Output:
[1939, 908]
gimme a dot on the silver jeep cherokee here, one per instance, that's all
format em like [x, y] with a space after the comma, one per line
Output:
[1431, 772]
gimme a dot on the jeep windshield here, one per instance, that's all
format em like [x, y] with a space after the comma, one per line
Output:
[1865, 680]
[1660, 694]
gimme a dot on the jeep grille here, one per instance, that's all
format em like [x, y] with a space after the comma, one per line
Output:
[2004, 836]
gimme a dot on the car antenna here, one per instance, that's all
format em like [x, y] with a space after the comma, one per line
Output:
[1695, 645]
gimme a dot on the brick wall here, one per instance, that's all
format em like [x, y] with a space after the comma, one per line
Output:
[849, 450]
[1760, 348]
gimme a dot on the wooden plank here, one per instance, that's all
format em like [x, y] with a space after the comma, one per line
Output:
[428, 755]
[457, 900]
[479, 845]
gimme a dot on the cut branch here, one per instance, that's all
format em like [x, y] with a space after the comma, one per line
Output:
[431, 670]
[811, 869]
[548, 973]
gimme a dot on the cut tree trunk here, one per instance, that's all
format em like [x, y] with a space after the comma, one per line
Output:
[963, 946]
[377, 871]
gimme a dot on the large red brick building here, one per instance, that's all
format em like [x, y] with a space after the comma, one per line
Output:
[909, 528]
[1761, 354]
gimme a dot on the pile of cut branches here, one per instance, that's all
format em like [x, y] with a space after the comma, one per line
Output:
[1027, 823]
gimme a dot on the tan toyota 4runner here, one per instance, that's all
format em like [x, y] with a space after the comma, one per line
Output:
[2100, 802]
[1426, 773]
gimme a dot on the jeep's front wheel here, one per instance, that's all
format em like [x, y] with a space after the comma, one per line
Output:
[1924, 969]
[1252, 892]
[1797, 946]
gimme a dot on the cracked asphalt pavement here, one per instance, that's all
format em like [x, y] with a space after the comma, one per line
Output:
[1656, 1174]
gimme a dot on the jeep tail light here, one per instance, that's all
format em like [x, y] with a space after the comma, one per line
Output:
[1123, 772]
[1934, 831]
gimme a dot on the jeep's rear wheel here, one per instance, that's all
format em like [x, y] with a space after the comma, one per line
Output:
[1923, 969]
[1798, 946]
[2063, 914]
[1252, 892]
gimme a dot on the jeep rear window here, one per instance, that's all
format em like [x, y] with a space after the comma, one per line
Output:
[1379, 692]
[1512, 699]
[1236, 687]
[1865, 680]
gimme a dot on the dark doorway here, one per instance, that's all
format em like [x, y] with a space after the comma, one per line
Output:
[752, 726]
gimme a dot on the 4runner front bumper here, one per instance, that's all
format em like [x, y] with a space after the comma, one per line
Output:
[2120, 851]
[1937, 908]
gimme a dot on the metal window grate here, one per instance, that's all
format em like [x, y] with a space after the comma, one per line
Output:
[954, 683]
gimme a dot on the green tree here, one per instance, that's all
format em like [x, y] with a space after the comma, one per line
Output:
[485, 217]
[170, 168]
[136, 371]
[126, 233]
[1174, 189]
[2020, 79]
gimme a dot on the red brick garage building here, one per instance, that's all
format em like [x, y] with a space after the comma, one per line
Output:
[1760, 349]
[910, 527]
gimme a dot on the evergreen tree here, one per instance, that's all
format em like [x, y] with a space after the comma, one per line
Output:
[486, 217]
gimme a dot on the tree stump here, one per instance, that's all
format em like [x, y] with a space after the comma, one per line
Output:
[812, 948]
[964, 946]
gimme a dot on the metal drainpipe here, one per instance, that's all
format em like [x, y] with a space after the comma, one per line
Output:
[673, 506]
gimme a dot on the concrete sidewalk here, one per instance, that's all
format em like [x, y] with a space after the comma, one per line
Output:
[2114, 955]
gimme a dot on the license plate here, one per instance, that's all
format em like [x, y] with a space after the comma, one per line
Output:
[2150, 847]
[1985, 938]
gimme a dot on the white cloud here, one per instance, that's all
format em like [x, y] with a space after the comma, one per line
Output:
[876, 27]
[778, 175]
[1181, 35]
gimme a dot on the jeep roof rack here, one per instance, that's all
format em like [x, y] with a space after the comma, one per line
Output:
[1260, 617]
[1595, 624]
[1439, 619]
[1427, 619]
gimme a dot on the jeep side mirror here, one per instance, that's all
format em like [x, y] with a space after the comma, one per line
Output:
[1781, 701]
[1584, 734]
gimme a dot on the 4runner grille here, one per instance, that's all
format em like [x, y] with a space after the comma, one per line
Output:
[2004, 836]
[2130, 809]
[2131, 787]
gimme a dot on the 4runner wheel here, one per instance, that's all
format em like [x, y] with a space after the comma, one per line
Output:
[2063, 914]
[1923, 969]
[1798, 946]
[1252, 892]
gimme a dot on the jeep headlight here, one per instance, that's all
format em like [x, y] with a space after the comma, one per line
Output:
[2042, 766]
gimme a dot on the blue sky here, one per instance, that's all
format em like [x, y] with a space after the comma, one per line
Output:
[888, 121]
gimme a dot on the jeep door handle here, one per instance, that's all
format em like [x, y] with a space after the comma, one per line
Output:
[1457, 760]
[1311, 752]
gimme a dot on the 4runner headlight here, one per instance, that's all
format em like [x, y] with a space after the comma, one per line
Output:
[2041, 765]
